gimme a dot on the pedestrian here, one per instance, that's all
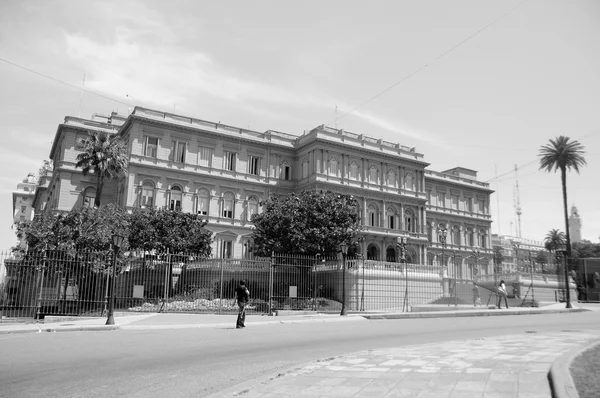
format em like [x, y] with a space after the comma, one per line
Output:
[242, 296]
[502, 293]
[476, 298]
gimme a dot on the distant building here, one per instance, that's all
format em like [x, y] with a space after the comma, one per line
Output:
[23, 200]
[223, 172]
[518, 254]
[575, 225]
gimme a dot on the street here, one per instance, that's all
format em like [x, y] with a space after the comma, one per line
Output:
[199, 362]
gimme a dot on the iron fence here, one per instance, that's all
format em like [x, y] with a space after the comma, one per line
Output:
[78, 283]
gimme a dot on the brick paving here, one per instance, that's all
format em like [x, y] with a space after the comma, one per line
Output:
[498, 367]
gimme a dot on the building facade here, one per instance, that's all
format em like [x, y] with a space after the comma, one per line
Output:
[223, 173]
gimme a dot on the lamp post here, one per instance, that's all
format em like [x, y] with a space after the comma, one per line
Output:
[563, 248]
[344, 249]
[516, 247]
[117, 241]
[401, 244]
[442, 235]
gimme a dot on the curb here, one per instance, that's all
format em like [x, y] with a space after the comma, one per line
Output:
[559, 376]
[74, 328]
[469, 313]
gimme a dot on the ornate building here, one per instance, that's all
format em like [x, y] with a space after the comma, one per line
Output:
[23, 200]
[223, 172]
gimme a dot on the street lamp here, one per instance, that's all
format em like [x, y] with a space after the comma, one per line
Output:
[344, 249]
[401, 244]
[442, 236]
[564, 249]
[117, 241]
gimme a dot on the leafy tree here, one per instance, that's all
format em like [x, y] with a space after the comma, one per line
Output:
[585, 249]
[86, 229]
[310, 223]
[562, 154]
[103, 154]
[169, 230]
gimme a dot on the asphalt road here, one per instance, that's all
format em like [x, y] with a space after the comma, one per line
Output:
[199, 362]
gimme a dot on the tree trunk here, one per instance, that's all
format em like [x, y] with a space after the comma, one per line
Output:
[99, 186]
[563, 177]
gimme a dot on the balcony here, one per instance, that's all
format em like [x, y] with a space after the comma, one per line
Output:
[392, 233]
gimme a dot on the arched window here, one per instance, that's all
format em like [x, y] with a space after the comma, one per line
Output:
[409, 220]
[390, 254]
[147, 199]
[372, 214]
[391, 218]
[305, 168]
[175, 198]
[353, 171]
[372, 252]
[391, 178]
[470, 237]
[333, 167]
[252, 207]
[203, 199]
[89, 196]
[482, 238]
[228, 200]
[456, 235]
[408, 181]
[373, 175]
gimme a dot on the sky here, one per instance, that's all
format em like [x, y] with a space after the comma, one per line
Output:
[474, 83]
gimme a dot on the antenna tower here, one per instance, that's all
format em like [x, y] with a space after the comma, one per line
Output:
[517, 203]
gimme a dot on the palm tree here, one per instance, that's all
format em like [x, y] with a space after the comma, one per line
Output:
[562, 154]
[105, 155]
[553, 239]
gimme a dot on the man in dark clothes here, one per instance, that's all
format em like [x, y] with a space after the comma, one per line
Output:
[242, 297]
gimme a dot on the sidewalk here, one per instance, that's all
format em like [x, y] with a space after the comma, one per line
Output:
[165, 321]
[498, 367]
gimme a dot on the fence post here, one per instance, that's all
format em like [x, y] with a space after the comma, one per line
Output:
[39, 301]
[271, 284]
[221, 288]
[314, 270]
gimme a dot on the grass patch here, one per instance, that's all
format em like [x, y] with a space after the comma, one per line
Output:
[584, 371]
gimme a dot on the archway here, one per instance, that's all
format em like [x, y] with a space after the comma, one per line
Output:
[390, 255]
[372, 252]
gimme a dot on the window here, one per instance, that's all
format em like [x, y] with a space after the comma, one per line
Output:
[333, 167]
[391, 178]
[175, 198]
[252, 208]
[409, 223]
[151, 147]
[482, 239]
[89, 196]
[455, 235]
[147, 195]
[202, 202]
[228, 205]
[23, 209]
[178, 151]
[470, 237]
[254, 165]
[454, 202]
[229, 161]
[441, 199]
[469, 204]
[353, 171]
[305, 169]
[408, 181]
[373, 175]
[481, 206]
[205, 156]
[428, 193]
[286, 172]
[227, 249]
[372, 214]
[22, 218]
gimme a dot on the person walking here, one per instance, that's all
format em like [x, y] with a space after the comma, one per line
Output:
[476, 298]
[502, 293]
[242, 296]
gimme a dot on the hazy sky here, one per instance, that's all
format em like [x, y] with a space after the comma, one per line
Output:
[489, 103]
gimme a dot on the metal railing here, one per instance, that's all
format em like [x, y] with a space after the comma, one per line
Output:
[78, 283]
